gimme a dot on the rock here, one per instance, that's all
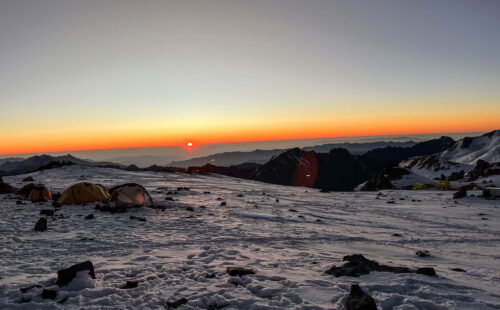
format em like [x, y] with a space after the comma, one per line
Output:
[6, 188]
[359, 300]
[25, 289]
[239, 271]
[277, 200]
[49, 294]
[183, 188]
[56, 204]
[428, 271]
[462, 192]
[292, 210]
[47, 212]
[141, 219]
[177, 303]
[190, 209]
[396, 235]
[358, 265]
[458, 269]
[222, 204]
[41, 225]
[63, 300]
[240, 195]
[206, 192]
[65, 276]
[423, 253]
[168, 198]
[455, 176]
[28, 179]
[130, 284]
[90, 217]
[391, 201]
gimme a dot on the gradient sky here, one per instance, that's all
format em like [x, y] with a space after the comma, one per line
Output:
[104, 74]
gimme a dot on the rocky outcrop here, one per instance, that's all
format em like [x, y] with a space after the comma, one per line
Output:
[65, 276]
[359, 300]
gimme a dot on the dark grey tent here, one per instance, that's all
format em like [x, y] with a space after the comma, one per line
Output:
[128, 196]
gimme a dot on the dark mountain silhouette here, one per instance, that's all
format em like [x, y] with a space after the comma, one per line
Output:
[42, 162]
[339, 170]
[262, 156]
[380, 158]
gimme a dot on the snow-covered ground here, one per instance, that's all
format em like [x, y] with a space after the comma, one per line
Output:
[175, 250]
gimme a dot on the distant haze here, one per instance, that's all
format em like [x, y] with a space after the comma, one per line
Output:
[164, 155]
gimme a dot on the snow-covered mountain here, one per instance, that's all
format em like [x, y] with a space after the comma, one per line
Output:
[470, 149]
[470, 159]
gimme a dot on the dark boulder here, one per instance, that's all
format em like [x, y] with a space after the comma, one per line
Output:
[47, 212]
[90, 217]
[65, 276]
[6, 188]
[357, 265]
[428, 271]
[190, 209]
[129, 285]
[41, 225]
[49, 294]
[138, 218]
[28, 179]
[359, 300]
[177, 303]
[239, 271]
[455, 176]
[461, 193]
[423, 253]
[458, 269]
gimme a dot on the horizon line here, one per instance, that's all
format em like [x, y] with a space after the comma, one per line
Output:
[239, 142]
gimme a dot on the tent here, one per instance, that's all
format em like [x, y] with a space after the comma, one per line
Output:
[129, 195]
[40, 193]
[419, 186]
[443, 185]
[84, 192]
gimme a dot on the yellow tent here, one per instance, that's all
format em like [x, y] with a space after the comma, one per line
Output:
[83, 193]
[443, 185]
[419, 186]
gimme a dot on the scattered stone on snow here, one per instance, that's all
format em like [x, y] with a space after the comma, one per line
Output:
[358, 265]
[239, 271]
[359, 300]
[177, 303]
[428, 271]
[423, 253]
[65, 276]
[130, 284]
[138, 218]
[190, 209]
[90, 217]
[63, 300]
[458, 269]
[168, 198]
[222, 204]
[49, 294]
[462, 192]
[47, 212]
[41, 225]
[25, 289]
[28, 179]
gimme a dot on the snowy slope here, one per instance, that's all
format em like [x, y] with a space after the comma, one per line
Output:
[175, 250]
[470, 150]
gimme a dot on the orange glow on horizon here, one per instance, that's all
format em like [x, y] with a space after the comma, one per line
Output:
[68, 143]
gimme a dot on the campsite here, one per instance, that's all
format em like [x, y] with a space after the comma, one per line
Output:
[289, 236]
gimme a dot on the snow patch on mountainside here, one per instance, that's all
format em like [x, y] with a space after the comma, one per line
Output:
[470, 150]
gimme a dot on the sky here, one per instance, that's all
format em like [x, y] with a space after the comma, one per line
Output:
[82, 75]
